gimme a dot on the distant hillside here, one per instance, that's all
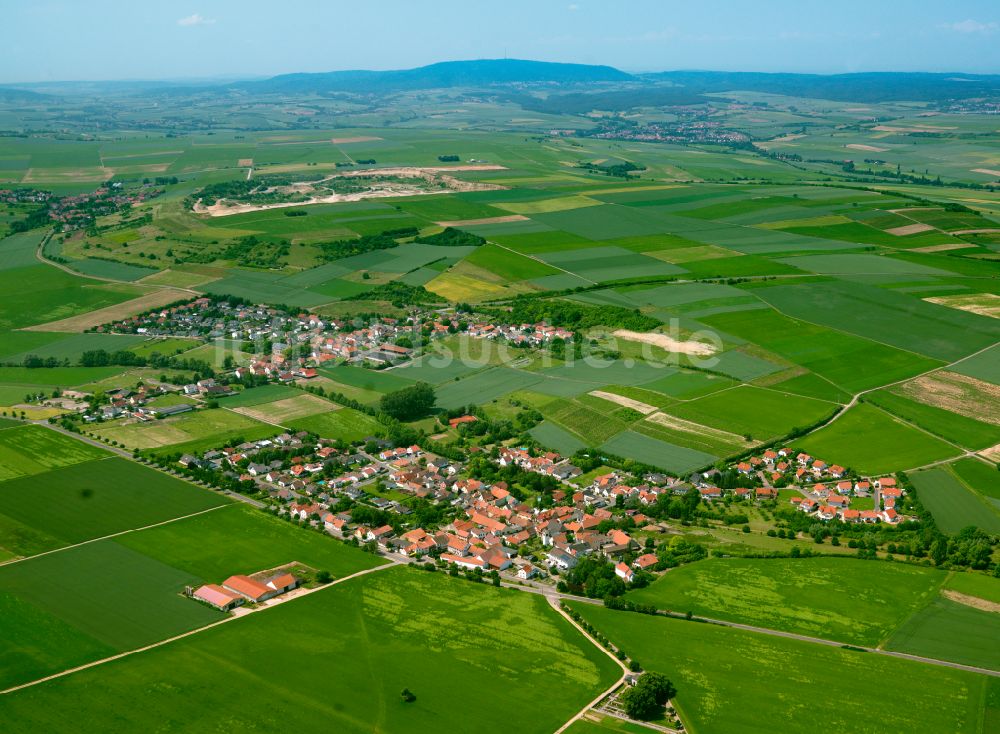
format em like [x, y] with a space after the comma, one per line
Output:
[863, 87]
[17, 96]
[479, 73]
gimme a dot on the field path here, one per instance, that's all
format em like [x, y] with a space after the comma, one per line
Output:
[126, 455]
[114, 535]
[229, 618]
[555, 596]
[40, 256]
[538, 259]
[857, 396]
[625, 671]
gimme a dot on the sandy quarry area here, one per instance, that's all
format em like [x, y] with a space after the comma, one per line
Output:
[437, 176]
[667, 343]
[635, 405]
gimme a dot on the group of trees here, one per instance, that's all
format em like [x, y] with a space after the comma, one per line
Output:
[339, 249]
[409, 403]
[646, 699]
[257, 253]
[576, 316]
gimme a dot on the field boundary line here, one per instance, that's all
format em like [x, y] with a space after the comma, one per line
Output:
[857, 395]
[40, 256]
[115, 535]
[625, 671]
[539, 260]
[189, 633]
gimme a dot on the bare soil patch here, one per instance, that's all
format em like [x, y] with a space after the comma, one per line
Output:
[956, 393]
[636, 405]
[355, 139]
[987, 171]
[88, 320]
[909, 229]
[971, 601]
[984, 304]
[679, 424]
[991, 454]
[485, 220]
[245, 162]
[289, 409]
[946, 246]
[861, 146]
[667, 343]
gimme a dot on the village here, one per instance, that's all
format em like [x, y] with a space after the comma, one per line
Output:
[365, 494]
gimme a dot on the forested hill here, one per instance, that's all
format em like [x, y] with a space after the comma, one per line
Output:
[861, 87]
[478, 73]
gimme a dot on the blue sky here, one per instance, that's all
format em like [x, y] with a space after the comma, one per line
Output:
[106, 39]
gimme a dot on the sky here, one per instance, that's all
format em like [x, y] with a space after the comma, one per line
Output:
[49, 40]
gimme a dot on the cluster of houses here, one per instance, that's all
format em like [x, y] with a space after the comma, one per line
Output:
[527, 334]
[240, 589]
[145, 402]
[824, 490]
[301, 343]
[138, 403]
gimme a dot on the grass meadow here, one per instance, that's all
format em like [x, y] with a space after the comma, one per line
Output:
[30, 449]
[842, 599]
[388, 631]
[722, 674]
[97, 498]
[870, 440]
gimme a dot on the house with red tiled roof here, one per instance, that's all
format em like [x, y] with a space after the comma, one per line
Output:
[218, 597]
[249, 588]
[624, 572]
[646, 561]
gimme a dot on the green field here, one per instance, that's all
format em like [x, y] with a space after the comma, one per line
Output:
[209, 428]
[869, 440]
[28, 449]
[555, 437]
[94, 499]
[947, 630]
[346, 424]
[967, 432]
[259, 396]
[241, 539]
[763, 414]
[841, 599]
[952, 503]
[979, 476]
[722, 674]
[654, 452]
[975, 584]
[398, 628]
[100, 598]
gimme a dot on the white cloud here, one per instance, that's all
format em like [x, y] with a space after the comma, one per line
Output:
[572, 6]
[972, 26]
[195, 19]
